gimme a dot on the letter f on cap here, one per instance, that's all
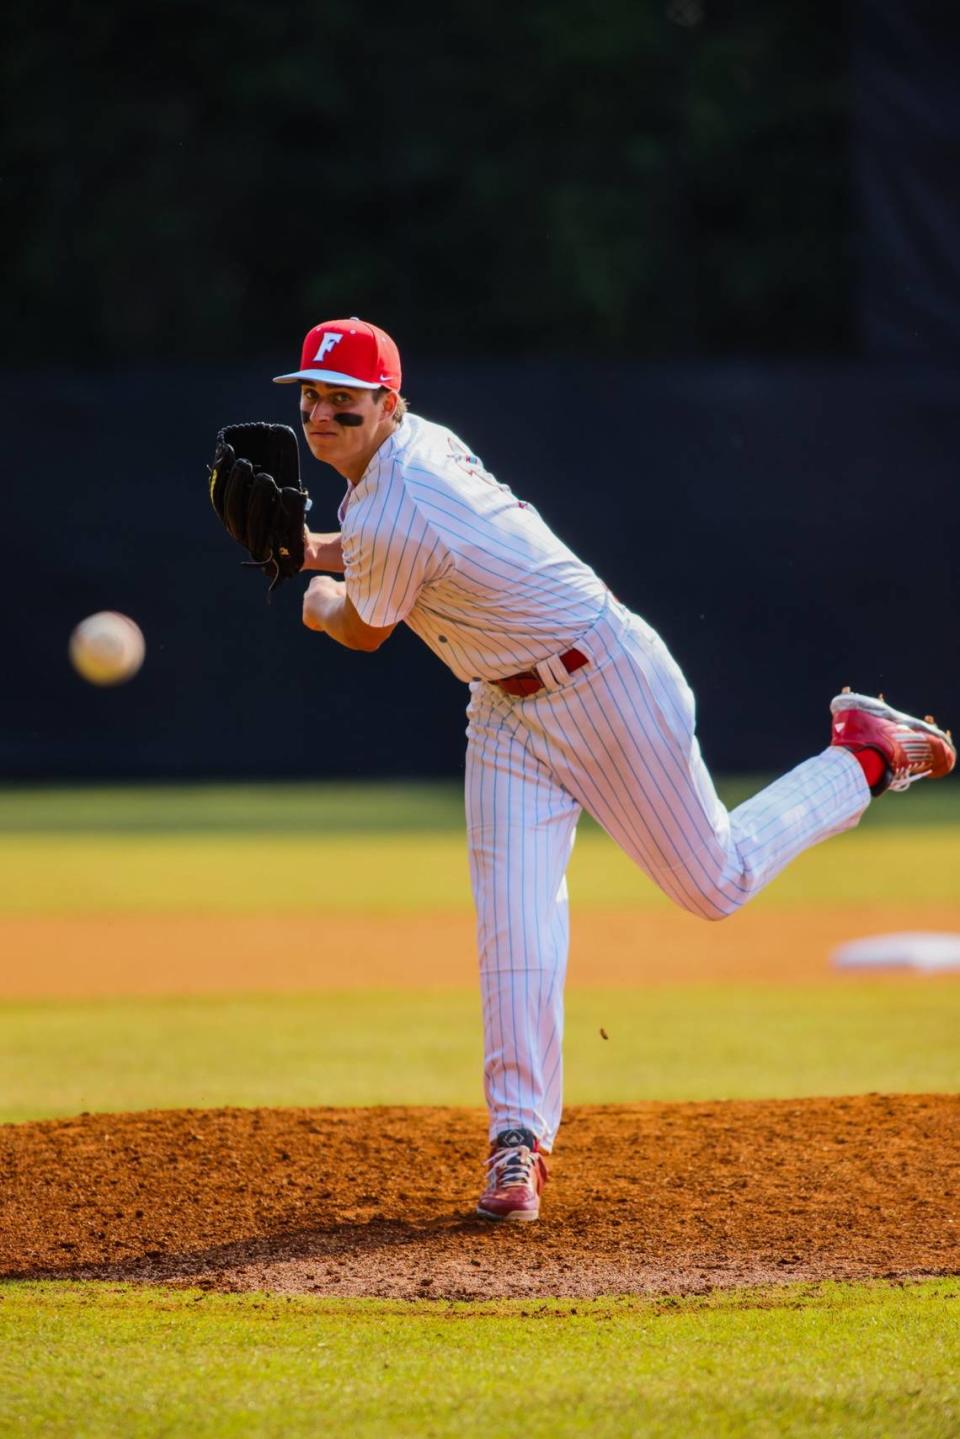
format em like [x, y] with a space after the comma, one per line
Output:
[326, 345]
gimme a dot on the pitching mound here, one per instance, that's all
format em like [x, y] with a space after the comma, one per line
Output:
[642, 1198]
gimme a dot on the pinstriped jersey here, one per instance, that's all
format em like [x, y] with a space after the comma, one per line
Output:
[431, 538]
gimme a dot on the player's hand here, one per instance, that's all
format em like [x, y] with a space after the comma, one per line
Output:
[323, 595]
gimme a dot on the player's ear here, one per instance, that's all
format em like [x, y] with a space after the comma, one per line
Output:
[390, 402]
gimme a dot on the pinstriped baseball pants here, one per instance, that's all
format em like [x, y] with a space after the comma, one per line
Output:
[617, 739]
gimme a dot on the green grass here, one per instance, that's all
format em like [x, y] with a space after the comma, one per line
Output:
[377, 1047]
[379, 873]
[377, 848]
[332, 806]
[271, 808]
[849, 1361]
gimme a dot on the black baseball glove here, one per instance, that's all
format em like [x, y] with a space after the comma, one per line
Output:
[255, 489]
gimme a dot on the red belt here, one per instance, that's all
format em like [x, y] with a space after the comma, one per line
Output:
[528, 681]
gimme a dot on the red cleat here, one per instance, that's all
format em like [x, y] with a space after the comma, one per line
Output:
[911, 748]
[516, 1174]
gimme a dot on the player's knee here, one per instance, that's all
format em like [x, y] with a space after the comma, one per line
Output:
[712, 907]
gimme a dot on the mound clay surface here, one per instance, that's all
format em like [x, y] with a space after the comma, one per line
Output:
[642, 1199]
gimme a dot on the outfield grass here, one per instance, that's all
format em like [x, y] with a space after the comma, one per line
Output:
[857, 1361]
[377, 848]
[422, 1047]
[416, 872]
[313, 807]
[263, 808]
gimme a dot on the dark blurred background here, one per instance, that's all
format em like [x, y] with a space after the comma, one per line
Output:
[685, 273]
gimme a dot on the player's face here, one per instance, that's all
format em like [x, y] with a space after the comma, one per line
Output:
[339, 424]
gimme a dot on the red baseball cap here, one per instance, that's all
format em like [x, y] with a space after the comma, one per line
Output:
[348, 352]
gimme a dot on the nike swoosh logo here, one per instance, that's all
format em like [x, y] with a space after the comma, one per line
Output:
[384, 379]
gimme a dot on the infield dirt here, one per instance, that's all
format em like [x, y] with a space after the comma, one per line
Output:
[93, 955]
[669, 1198]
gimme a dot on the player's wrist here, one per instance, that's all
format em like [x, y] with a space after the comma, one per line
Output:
[322, 552]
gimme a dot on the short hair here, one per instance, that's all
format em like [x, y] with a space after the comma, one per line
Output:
[401, 406]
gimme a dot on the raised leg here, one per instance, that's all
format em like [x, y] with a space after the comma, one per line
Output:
[620, 738]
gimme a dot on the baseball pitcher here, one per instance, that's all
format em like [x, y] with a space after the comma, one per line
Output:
[575, 703]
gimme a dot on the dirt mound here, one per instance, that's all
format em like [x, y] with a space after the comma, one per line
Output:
[642, 1198]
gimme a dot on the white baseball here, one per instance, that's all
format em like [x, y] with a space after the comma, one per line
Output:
[107, 648]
